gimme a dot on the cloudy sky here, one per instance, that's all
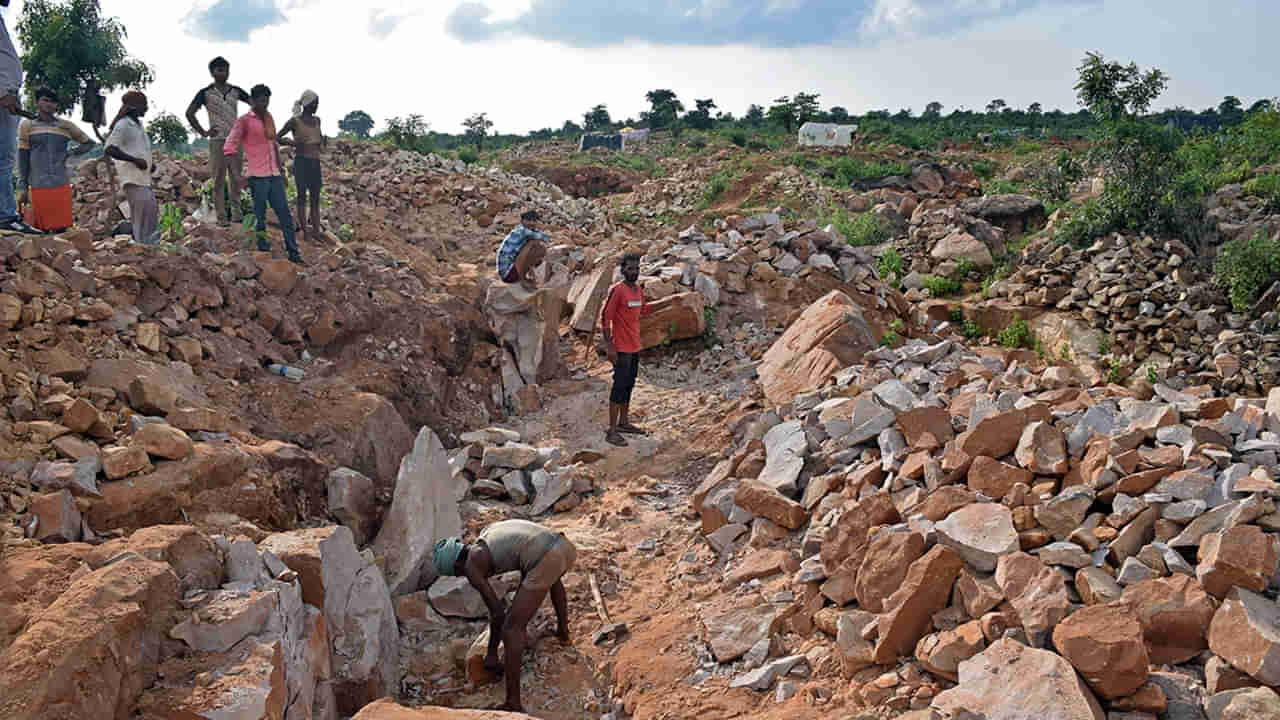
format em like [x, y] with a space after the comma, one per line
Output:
[535, 63]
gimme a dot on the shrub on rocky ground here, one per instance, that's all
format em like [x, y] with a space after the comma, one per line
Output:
[1245, 266]
[863, 228]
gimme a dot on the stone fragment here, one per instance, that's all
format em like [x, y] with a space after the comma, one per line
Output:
[996, 435]
[885, 565]
[58, 516]
[1243, 556]
[763, 501]
[164, 441]
[981, 533]
[1244, 704]
[1062, 515]
[925, 590]
[1037, 592]
[1042, 449]
[978, 594]
[549, 488]
[1219, 676]
[994, 478]
[829, 335]
[121, 462]
[1010, 681]
[514, 456]
[1096, 587]
[1105, 644]
[1245, 632]
[352, 502]
[732, 632]
[785, 449]
[942, 653]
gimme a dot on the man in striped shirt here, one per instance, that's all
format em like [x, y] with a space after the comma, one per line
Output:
[522, 250]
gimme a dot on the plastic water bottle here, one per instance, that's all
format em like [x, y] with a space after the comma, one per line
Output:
[289, 373]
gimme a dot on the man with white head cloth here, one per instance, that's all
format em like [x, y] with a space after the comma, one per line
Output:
[308, 139]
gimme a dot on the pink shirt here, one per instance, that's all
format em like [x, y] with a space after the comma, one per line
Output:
[259, 153]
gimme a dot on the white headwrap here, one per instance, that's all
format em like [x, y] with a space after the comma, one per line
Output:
[308, 97]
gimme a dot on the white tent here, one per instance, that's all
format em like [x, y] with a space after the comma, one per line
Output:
[826, 134]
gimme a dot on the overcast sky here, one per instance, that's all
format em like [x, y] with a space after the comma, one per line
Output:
[535, 63]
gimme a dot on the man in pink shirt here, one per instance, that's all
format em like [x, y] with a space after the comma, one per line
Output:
[256, 132]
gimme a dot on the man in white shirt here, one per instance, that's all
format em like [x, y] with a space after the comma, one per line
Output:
[129, 147]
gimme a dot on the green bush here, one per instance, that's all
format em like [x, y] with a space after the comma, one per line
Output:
[698, 143]
[468, 155]
[970, 330]
[1017, 335]
[1000, 187]
[863, 228]
[1245, 267]
[715, 188]
[739, 138]
[890, 263]
[889, 339]
[1266, 187]
[941, 286]
[984, 169]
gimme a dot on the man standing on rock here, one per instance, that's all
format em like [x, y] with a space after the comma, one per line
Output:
[542, 556]
[256, 132]
[620, 325]
[222, 101]
[522, 250]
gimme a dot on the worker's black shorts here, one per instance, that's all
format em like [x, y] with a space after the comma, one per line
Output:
[306, 173]
[624, 378]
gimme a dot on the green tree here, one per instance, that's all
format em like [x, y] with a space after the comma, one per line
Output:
[477, 128]
[69, 47]
[806, 107]
[664, 109]
[754, 116]
[700, 117]
[995, 106]
[933, 110]
[570, 128]
[1035, 109]
[783, 112]
[1231, 110]
[167, 131]
[1260, 106]
[838, 114]
[357, 122]
[1111, 91]
[408, 133]
[597, 118]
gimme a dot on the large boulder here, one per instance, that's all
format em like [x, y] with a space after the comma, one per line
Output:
[925, 590]
[1010, 681]
[587, 295]
[1016, 214]
[527, 325]
[678, 317]
[423, 510]
[352, 595]
[1246, 633]
[961, 246]
[95, 648]
[1175, 613]
[831, 334]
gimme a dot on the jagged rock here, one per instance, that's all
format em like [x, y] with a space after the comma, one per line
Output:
[785, 449]
[1042, 449]
[59, 519]
[763, 501]
[587, 296]
[388, 709]
[678, 317]
[527, 324]
[1246, 633]
[121, 462]
[1243, 556]
[981, 533]
[942, 653]
[423, 510]
[228, 617]
[164, 441]
[548, 489]
[1105, 644]
[352, 502]
[1037, 592]
[1010, 681]
[355, 602]
[994, 478]
[733, 632]
[885, 565]
[831, 334]
[925, 590]
[1243, 704]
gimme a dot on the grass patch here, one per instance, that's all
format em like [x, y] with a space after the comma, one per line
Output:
[890, 263]
[715, 188]
[941, 286]
[863, 228]
[1017, 335]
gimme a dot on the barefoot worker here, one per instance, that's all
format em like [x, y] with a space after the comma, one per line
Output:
[308, 138]
[542, 556]
[620, 325]
[522, 250]
[129, 147]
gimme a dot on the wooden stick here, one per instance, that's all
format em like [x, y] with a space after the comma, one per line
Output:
[595, 592]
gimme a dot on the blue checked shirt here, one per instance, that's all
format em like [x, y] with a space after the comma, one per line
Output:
[513, 243]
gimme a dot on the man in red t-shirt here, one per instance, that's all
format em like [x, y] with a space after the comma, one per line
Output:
[620, 325]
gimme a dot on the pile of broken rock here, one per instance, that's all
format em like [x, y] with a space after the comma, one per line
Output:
[976, 536]
[494, 464]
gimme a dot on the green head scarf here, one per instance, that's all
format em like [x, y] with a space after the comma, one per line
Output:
[446, 556]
